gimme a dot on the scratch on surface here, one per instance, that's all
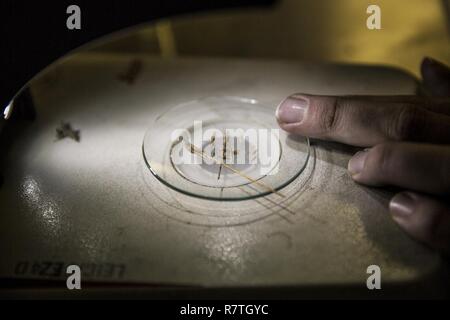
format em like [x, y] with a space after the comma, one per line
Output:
[282, 235]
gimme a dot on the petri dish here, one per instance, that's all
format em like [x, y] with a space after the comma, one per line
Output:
[224, 149]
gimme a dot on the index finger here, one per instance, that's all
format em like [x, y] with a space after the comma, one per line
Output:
[363, 121]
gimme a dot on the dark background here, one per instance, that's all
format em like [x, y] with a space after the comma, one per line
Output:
[33, 33]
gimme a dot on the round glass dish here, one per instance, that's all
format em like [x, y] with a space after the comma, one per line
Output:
[223, 148]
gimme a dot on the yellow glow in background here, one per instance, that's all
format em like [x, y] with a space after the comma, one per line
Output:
[320, 30]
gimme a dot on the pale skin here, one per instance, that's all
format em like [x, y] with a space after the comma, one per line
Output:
[405, 143]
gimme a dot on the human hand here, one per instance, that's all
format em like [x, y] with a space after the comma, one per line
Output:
[408, 141]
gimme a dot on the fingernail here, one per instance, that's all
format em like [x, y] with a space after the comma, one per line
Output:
[292, 110]
[356, 164]
[402, 205]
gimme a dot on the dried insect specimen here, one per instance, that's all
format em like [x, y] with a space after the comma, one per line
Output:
[66, 131]
[260, 183]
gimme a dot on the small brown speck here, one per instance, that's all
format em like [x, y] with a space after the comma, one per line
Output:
[133, 71]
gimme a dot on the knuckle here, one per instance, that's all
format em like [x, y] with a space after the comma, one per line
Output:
[406, 124]
[379, 162]
[331, 116]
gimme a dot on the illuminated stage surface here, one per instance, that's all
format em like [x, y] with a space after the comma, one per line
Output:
[95, 203]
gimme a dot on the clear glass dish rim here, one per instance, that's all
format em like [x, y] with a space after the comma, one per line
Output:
[226, 199]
